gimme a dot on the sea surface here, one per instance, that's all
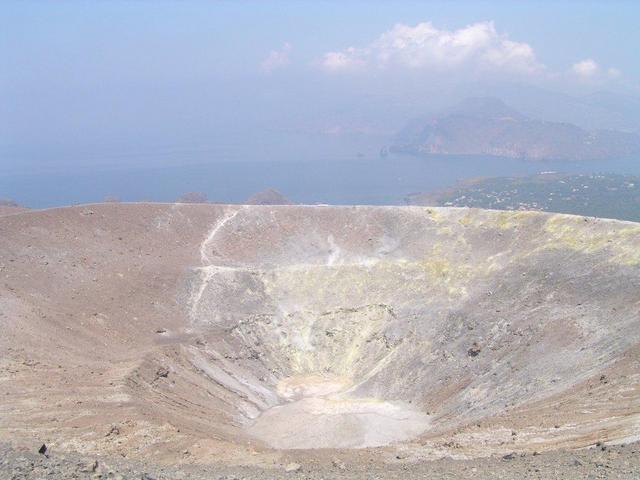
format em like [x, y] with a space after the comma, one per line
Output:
[306, 172]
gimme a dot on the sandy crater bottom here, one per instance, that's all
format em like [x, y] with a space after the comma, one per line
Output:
[319, 415]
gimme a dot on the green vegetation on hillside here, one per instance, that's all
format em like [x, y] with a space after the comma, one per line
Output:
[597, 195]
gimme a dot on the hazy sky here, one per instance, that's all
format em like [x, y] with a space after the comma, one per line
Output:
[91, 82]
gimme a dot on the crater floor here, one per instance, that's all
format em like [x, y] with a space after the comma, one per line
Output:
[318, 415]
[256, 335]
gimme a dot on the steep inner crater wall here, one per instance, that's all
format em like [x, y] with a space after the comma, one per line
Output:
[232, 332]
[373, 326]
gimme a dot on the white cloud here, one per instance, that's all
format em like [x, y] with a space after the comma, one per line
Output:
[586, 68]
[613, 72]
[276, 59]
[423, 46]
[348, 59]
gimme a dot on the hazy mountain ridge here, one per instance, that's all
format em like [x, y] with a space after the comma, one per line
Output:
[487, 126]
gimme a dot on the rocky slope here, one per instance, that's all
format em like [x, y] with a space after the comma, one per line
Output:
[251, 335]
[614, 463]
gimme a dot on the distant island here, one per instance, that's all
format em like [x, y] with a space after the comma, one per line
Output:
[487, 126]
[9, 207]
[596, 195]
[268, 197]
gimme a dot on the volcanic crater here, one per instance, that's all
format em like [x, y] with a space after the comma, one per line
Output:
[242, 332]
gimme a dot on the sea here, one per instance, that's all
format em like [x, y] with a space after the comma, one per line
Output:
[307, 169]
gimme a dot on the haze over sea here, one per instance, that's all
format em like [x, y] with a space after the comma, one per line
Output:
[307, 168]
[228, 98]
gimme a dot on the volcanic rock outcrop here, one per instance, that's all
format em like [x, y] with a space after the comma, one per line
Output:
[225, 331]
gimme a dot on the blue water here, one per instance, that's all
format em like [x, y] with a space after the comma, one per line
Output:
[375, 181]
